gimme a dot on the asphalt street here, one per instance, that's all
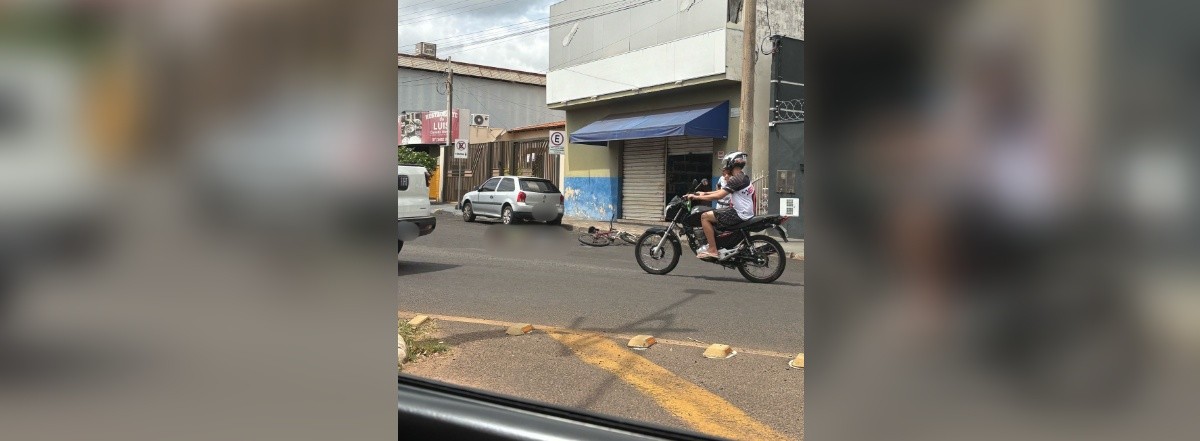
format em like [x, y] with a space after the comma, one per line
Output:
[542, 275]
[476, 277]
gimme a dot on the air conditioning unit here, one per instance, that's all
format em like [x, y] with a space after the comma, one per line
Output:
[479, 119]
[427, 50]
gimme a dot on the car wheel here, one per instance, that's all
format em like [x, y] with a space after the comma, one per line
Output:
[468, 213]
[506, 216]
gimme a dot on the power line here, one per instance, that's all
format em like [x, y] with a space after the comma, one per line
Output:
[545, 27]
[521, 24]
[458, 48]
[446, 13]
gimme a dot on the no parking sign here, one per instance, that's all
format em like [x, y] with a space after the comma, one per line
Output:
[460, 149]
[558, 142]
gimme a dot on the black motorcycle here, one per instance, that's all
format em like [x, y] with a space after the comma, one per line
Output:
[759, 258]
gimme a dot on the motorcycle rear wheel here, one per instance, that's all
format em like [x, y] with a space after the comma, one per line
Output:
[772, 254]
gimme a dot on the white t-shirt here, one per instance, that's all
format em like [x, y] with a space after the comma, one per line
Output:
[741, 195]
[725, 201]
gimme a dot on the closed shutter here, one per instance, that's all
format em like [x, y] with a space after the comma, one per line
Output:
[643, 179]
[686, 145]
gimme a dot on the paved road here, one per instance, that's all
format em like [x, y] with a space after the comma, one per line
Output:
[542, 275]
[480, 277]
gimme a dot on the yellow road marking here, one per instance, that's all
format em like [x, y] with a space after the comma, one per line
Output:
[545, 328]
[695, 405]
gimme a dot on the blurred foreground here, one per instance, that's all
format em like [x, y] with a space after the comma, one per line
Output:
[193, 229]
[1003, 213]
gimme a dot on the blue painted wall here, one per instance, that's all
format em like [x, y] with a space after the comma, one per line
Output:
[595, 198]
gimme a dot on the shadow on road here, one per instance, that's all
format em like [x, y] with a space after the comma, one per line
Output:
[412, 268]
[735, 279]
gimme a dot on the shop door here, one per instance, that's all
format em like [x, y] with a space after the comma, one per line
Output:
[643, 179]
[688, 159]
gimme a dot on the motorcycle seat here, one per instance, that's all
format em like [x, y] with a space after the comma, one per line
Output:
[749, 223]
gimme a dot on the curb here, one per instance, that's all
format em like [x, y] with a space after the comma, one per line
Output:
[636, 342]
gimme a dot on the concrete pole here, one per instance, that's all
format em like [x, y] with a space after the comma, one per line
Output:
[749, 50]
[449, 124]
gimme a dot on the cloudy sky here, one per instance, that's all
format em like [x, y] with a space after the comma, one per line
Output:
[452, 22]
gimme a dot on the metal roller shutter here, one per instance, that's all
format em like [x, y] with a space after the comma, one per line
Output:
[685, 145]
[643, 178]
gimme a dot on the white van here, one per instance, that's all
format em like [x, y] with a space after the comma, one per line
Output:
[413, 218]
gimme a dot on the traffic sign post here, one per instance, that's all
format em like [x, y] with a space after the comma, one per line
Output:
[558, 142]
[460, 149]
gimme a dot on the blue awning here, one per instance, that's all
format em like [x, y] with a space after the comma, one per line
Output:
[703, 120]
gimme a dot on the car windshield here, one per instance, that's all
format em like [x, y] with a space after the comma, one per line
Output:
[538, 186]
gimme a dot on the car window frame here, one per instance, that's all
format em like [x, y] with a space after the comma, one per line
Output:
[501, 184]
[484, 188]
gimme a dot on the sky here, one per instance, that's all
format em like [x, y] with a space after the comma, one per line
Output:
[446, 22]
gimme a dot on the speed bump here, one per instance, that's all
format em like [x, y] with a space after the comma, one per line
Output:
[642, 342]
[519, 329]
[798, 362]
[418, 320]
[718, 351]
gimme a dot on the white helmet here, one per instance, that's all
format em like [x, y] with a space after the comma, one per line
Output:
[735, 158]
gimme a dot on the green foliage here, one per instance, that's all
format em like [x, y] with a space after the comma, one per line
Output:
[419, 341]
[405, 155]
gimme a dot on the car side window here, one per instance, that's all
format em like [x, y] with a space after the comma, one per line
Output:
[490, 185]
[506, 185]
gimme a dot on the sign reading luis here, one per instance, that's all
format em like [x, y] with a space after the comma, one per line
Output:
[460, 149]
[558, 142]
[430, 127]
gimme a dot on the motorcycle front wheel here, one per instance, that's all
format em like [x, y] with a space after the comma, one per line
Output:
[766, 260]
[660, 260]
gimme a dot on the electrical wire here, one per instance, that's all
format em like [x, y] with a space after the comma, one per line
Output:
[457, 47]
[522, 24]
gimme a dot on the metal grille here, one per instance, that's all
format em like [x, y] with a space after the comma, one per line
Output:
[402, 185]
[643, 178]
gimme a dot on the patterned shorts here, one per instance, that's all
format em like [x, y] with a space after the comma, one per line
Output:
[727, 216]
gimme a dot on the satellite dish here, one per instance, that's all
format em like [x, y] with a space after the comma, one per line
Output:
[570, 35]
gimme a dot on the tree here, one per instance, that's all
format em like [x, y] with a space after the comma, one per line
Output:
[405, 155]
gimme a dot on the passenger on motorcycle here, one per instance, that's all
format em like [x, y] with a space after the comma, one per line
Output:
[737, 187]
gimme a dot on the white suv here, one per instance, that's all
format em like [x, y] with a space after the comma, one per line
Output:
[413, 218]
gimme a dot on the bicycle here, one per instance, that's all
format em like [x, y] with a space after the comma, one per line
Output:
[596, 237]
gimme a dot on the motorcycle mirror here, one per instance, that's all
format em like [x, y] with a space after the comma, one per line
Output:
[695, 182]
[704, 182]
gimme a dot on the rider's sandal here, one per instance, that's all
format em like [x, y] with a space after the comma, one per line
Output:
[705, 256]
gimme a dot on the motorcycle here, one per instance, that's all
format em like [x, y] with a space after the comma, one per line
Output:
[759, 258]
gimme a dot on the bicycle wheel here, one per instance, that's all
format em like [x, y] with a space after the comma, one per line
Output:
[595, 240]
[628, 238]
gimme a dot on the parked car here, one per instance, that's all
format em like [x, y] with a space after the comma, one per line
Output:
[513, 199]
[413, 218]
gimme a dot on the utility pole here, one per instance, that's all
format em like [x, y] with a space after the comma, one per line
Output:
[749, 51]
[450, 120]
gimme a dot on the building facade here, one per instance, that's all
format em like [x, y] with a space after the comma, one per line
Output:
[486, 101]
[652, 101]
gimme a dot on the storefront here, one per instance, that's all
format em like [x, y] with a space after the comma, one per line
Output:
[659, 153]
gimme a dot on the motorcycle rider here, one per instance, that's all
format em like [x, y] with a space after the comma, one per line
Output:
[737, 187]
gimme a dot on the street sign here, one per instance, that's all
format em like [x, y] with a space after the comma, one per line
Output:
[558, 142]
[460, 149]
[720, 154]
[789, 207]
